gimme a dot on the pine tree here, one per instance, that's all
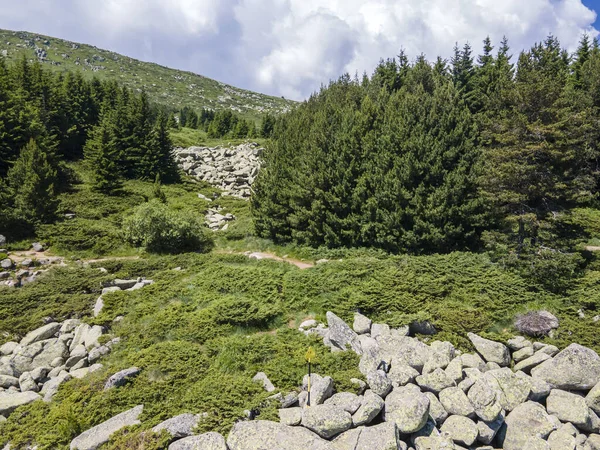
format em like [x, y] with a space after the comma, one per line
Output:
[32, 181]
[158, 158]
[103, 156]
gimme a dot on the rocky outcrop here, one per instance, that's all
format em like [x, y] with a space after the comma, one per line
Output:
[46, 357]
[231, 169]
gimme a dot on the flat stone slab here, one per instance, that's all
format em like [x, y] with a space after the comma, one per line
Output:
[100, 434]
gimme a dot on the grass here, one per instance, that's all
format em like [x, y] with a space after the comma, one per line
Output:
[200, 333]
[189, 137]
[171, 87]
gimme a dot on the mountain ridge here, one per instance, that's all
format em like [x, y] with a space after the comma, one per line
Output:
[171, 87]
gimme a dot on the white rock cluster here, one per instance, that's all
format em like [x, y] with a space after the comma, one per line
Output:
[119, 285]
[35, 367]
[523, 395]
[216, 220]
[231, 169]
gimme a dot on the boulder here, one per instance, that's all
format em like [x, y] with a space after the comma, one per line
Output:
[482, 396]
[518, 343]
[379, 437]
[39, 334]
[533, 361]
[408, 407]
[6, 264]
[266, 435]
[379, 329]
[180, 426]
[524, 353]
[11, 401]
[348, 401]
[441, 442]
[362, 324]
[528, 420]
[461, 429]
[406, 350]
[488, 430]
[592, 399]
[2, 240]
[206, 441]
[290, 416]
[370, 407]
[379, 383]
[326, 420]
[262, 378]
[456, 402]
[57, 349]
[37, 247]
[402, 374]
[8, 348]
[341, 335]
[321, 388]
[454, 370]
[435, 381]
[491, 351]
[122, 377]
[7, 381]
[27, 383]
[568, 407]
[593, 442]
[436, 410]
[512, 390]
[575, 368]
[97, 353]
[69, 325]
[561, 441]
[50, 388]
[100, 434]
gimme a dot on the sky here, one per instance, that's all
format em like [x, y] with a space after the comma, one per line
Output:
[290, 47]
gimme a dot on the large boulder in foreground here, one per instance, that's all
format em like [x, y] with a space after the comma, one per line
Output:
[266, 435]
[526, 422]
[575, 368]
[100, 434]
[408, 407]
[11, 401]
[326, 420]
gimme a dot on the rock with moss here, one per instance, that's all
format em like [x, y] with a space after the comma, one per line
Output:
[527, 421]
[575, 368]
[180, 426]
[371, 406]
[407, 407]
[100, 434]
[326, 420]
[206, 441]
[461, 429]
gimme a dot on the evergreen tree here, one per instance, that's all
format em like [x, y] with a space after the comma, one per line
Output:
[266, 126]
[158, 158]
[32, 181]
[102, 154]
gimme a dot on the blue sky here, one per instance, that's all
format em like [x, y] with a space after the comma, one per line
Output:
[291, 47]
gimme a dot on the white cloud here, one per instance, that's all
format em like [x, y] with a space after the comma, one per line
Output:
[290, 47]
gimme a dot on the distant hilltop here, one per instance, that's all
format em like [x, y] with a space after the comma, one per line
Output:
[174, 88]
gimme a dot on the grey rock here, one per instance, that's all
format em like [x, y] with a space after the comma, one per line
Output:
[97, 353]
[408, 407]
[461, 429]
[289, 400]
[79, 338]
[512, 390]
[539, 389]
[91, 337]
[50, 388]
[441, 442]
[11, 401]
[124, 284]
[575, 368]
[482, 396]
[69, 325]
[436, 410]
[39, 373]
[7, 381]
[98, 306]
[206, 441]
[180, 426]
[341, 335]
[435, 381]
[522, 354]
[362, 324]
[593, 442]
[568, 407]
[379, 329]
[361, 386]
[528, 420]
[307, 324]
[592, 399]
[405, 350]
[561, 441]
[262, 378]
[491, 351]
[6, 264]
[402, 374]
[320, 390]
[37, 247]
[100, 434]
[57, 349]
[121, 377]
[27, 383]
[456, 402]
[518, 343]
[379, 383]
[548, 349]
[4, 275]
[346, 400]
[39, 334]
[371, 406]
[454, 370]
[2, 240]
[290, 416]
[7, 369]
[266, 435]
[379, 437]
[488, 430]
[8, 348]
[326, 420]
[472, 361]
[529, 363]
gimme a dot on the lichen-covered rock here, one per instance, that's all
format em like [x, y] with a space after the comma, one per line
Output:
[11, 401]
[180, 426]
[454, 370]
[39, 334]
[593, 398]
[461, 429]
[561, 441]
[379, 383]
[482, 396]
[326, 420]
[341, 335]
[362, 324]
[346, 400]
[100, 434]
[384, 436]
[512, 390]
[370, 407]
[456, 402]
[266, 435]
[442, 442]
[533, 361]
[568, 407]
[290, 416]
[408, 407]
[435, 381]
[51, 387]
[321, 388]
[206, 441]
[402, 374]
[488, 430]
[539, 389]
[575, 368]
[527, 421]
[121, 377]
[491, 351]
[406, 350]
[436, 409]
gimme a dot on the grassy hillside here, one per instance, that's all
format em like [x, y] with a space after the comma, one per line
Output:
[171, 87]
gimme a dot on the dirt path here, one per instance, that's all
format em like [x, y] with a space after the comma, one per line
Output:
[266, 255]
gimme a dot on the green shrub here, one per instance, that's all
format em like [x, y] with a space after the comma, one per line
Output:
[157, 228]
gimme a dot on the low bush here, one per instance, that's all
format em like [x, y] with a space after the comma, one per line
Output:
[158, 229]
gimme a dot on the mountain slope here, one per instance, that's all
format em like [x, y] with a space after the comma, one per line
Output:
[170, 87]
